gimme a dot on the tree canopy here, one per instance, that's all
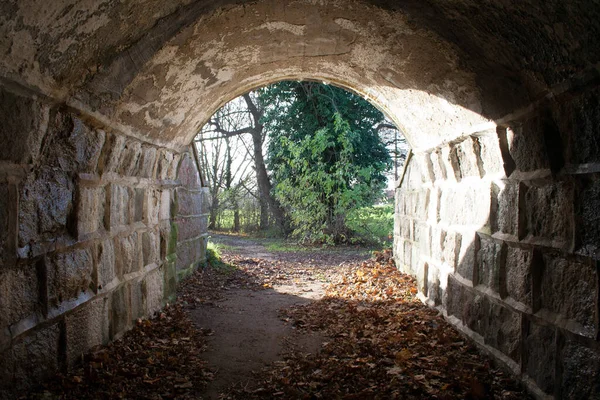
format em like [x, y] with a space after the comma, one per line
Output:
[325, 155]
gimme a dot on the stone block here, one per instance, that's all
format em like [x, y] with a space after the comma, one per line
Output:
[437, 165]
[72, 145]
[130, 157]
[174, 167]
[85, 328]
[450, 243]
[490, 262]
[19, 294]
[434, 290]
[539, 357]
[120, 311]
[106, 264]
[434, 205]
[189, 202]
[188, 173]
[139, 199]
[190, 253]
[549, 212]
[138, 299]
[425, 167]
[7, 234]
[90, 210]
[154, 291]
[169, 280]
[503, 330]
[153, 207]
[518, 274]
[476, 312]
[36, 356]
[588, 221]
[507, 204]
[191, 227]
[147, 162]
[469, 246]
[487, 148]
[165, 159]
[24, 123]
[423, 238]
[464, 160]
[465, 205]
[127, 254]
[119, 212]
[568, 288]
[165, 205]
[455, 299]
[580, 372]
[46, 205]
[68, 275]
[579, 122]
[168, 240]
[526, 145]
[111, 153]
[150, 248]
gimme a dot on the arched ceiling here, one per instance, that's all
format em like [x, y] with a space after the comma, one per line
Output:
[158, 70]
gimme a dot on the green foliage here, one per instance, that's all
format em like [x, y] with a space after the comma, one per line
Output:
[325, 156]
[373, 225]
[213, 259]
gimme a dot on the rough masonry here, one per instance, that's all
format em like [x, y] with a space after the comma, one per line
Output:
[102, 208]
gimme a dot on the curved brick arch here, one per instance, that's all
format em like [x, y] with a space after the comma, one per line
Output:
[496, 216]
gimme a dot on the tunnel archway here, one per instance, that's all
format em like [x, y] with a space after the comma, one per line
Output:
[102, 205]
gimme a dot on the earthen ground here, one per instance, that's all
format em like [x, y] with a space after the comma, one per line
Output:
[247, 333]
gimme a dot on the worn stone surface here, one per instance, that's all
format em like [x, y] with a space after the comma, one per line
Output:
[111, 153]
[24, 123]
[464, 205]
[568, 288]
[469, 246]
[5, 206]
[189, 253]
[106, 263]
[120, 311]
[581, 114]
[150, 248]
[127, 254]
[46, 205]
[90, 210]
[154, 291]
[72, 145]
[491, 259]
[506, 210]
[549, 210]
[37, 356]
[463, 160]
[526, 145]
[540, 355]
[489, 156]
[189, 202]
[119, 212]
[85, 328]
[129, 158]
[147, 162]
[19, 294]
[588, 219]
[69, 274]
[518, 274]
[580, 372]
[188, 173]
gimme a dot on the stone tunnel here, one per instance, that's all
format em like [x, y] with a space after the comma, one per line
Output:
[102, 208]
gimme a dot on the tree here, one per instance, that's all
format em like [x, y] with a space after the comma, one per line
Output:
[325, 155]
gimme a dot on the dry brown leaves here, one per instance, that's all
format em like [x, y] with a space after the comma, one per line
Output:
[158, 359]
[384, 344]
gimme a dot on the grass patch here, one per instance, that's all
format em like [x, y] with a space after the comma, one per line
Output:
[373, 225]
[214, 260]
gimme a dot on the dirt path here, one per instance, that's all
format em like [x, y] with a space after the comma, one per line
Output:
[247, 332]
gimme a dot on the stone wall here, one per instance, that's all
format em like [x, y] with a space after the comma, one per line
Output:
[501, 230]
[95, 230]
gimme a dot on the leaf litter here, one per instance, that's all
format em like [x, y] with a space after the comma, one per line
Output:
[383, 343]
